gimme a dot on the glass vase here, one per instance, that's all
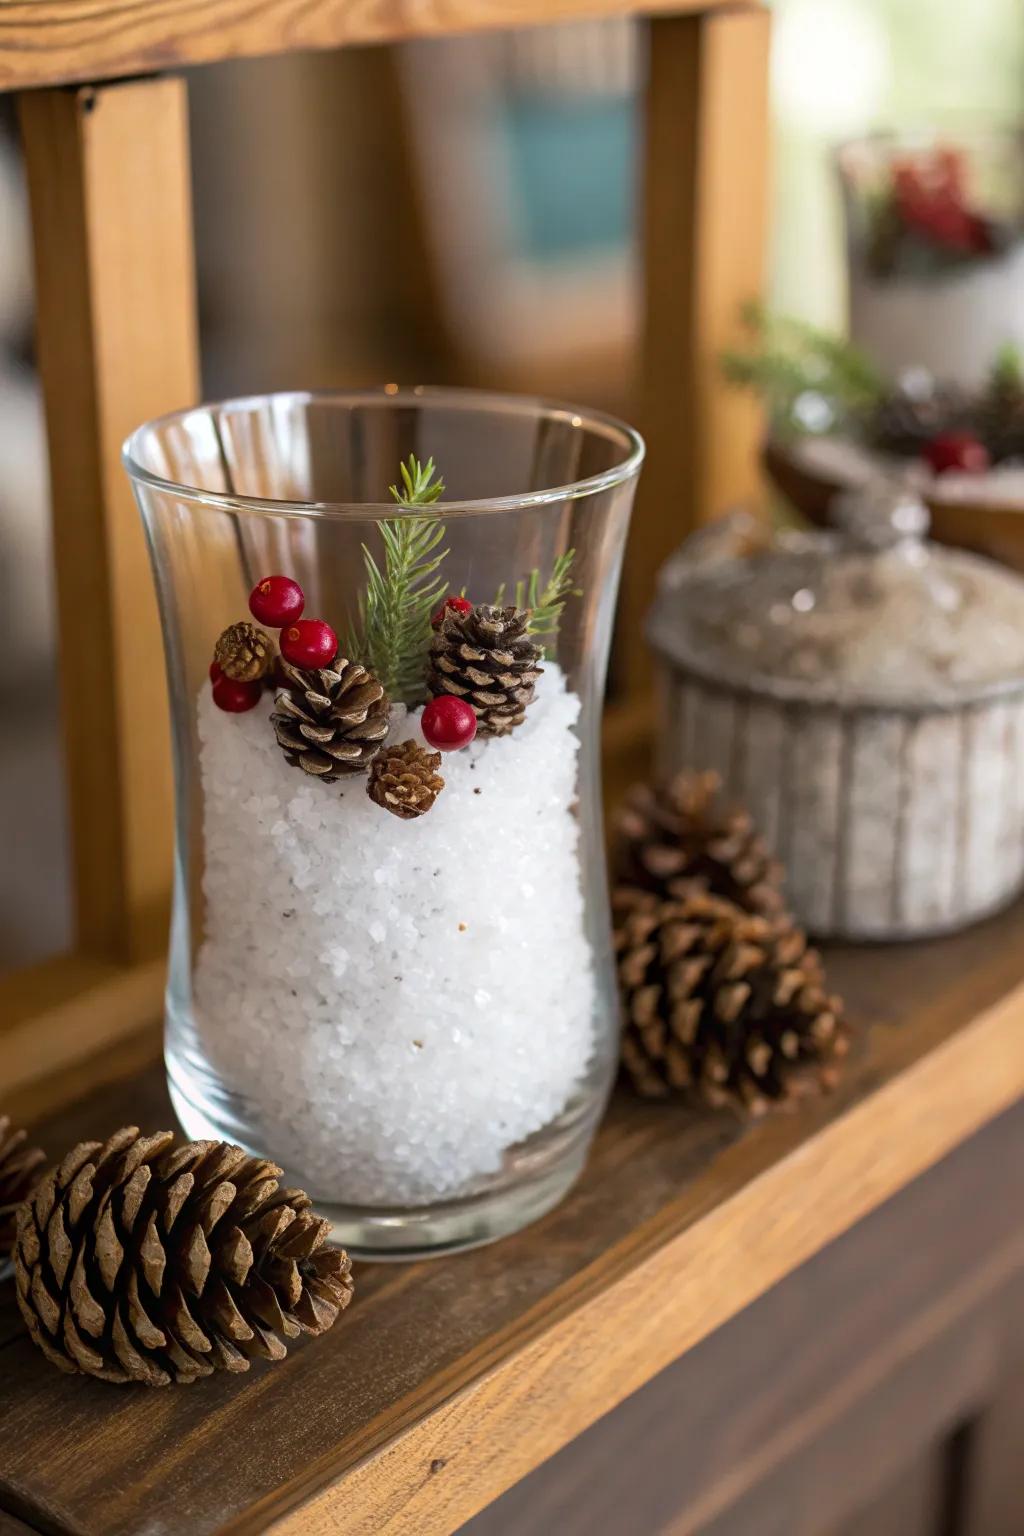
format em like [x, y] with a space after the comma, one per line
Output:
[414, 1015]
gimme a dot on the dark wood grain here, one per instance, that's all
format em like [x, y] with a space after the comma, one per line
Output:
[813, 1401]
[448, 1381]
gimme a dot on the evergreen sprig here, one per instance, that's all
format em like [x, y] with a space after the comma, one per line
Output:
[393, 633]
[808, 378]
[546, 604]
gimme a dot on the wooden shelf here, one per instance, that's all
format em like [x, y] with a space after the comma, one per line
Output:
[47, 42]
[448, 1381]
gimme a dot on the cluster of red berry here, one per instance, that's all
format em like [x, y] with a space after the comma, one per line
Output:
[447, 723]
[957, 453]
[278, 601]
[931, 197]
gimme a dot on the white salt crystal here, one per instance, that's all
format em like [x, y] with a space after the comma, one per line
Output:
[429, 1000]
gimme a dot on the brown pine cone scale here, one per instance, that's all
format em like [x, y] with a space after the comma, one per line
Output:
[244, 652]
[330, 721]
[679, 832]
[488, 657]
[20, 1168]
[404, 780]
[139, 1261]
[722, 1004]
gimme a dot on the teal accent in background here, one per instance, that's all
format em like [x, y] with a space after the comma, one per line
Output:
[571, 173]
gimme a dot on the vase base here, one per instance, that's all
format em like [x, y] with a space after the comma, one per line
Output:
[398, 1233]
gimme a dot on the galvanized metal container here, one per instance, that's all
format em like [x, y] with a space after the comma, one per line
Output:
[861, 692]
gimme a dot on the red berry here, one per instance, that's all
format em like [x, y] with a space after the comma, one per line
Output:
[215, 671]
[448, 723]
[309, 643]
[450, 605]
[957, 451]
[236, 698]
[277, 601]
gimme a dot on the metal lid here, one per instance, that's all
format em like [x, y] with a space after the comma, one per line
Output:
[870, 613]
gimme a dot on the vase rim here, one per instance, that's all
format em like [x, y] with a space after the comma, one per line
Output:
[395, 395]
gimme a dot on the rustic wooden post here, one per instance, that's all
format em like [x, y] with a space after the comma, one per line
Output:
[109, 183]
[704, 227]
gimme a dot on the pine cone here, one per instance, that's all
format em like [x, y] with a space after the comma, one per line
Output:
[20, 1166]
[244, 652]
[488, 658]
[721, 1004]
[404, 780]
[331, 721]
[999, 419]
[679, 832]
[906, 420]
[136, 1261]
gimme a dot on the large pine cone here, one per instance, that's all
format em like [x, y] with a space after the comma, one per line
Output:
[721, 1004]
[404, 780]
[680, 832]
[488, 658]
[20, 1166]
[136, 1261]
[330, 721]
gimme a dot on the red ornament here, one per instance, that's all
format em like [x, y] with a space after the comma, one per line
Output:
[309, 643]
[216, 671]
[957, 451]
[234, 697]
[450, 605]
[276, 601]
[448, 723]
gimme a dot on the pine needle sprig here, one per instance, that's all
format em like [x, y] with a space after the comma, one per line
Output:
[393, 633]
[546, 604]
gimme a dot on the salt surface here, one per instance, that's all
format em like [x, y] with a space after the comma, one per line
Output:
[397, 1002]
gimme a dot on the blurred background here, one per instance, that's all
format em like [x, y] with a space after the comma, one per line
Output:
[455, 211]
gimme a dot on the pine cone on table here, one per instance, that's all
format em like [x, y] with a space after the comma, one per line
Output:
[680, 832]
[404, 780]
[244, 652]
[330, 721]
[139, 1261]
[999, 416]
[905, 420]
[20, 1167]
[721, 1004]
[487, 657]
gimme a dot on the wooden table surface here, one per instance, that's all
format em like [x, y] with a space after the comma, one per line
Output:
[448, 1381]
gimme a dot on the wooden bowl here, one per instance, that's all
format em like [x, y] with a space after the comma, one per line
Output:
[986, 529]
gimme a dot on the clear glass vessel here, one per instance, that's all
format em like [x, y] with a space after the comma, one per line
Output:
[415, 1018]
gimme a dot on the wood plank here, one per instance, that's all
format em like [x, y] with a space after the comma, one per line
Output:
[108, 175]
[909, 1506]
[56, 1016]
[46, 42]
[449, 1381]
[994, 1502]
[705, 237]
[797, 1412]
[11, 1526]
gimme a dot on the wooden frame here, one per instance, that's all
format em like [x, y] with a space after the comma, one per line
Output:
[108, 170]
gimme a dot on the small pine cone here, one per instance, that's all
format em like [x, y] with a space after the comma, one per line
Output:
[680, 832]
[721, 1004]
[244, 652]
[139, 1261]
[905, 421]
[330, 721]
[20, 1168]
[405, 780]
[487, 657]
[999, 420]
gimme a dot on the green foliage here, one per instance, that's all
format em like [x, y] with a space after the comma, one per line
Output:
[545, 604]
[393, 633]
[809, 379]
[1007, 371]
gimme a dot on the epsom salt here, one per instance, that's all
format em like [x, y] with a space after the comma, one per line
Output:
[396, 1003]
